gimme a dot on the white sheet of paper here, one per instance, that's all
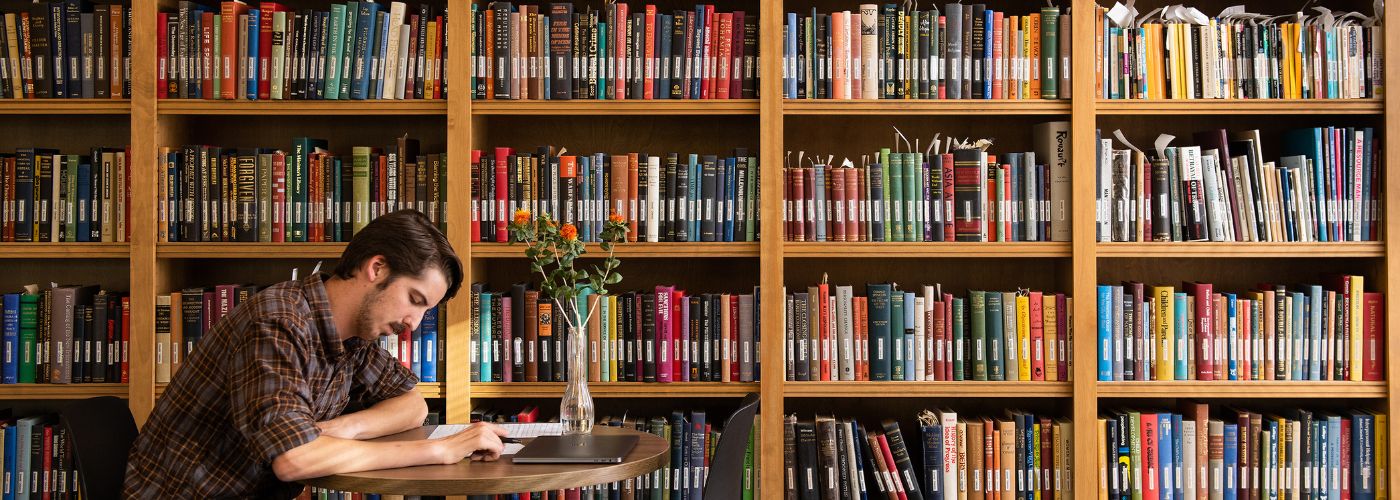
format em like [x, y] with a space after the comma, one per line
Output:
[516, 430]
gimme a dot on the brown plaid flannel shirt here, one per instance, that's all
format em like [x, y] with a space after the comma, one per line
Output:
[255, 388]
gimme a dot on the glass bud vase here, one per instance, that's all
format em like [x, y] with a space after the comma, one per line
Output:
[576, 408]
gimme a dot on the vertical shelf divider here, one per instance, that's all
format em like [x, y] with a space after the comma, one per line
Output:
[1084, 261]
[456, 381]
[142, 259]
[770, 126]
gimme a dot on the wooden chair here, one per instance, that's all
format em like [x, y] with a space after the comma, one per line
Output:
[101, 431]
[726, 478]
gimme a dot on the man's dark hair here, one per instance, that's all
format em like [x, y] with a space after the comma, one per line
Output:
[409, 242]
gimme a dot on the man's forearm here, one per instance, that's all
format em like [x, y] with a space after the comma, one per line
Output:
[396, 414]
[328, 455]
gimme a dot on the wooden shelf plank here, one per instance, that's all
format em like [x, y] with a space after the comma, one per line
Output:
[429, 389]
[65, 107]
[624, 107]
[1242, 389]
[383, 107]
[940, 389]
[61, 391]
[1206, 249]
[925, 249]
[499, 390]
[924, 107]
[65, 250]
[632, 250]
[1240, 106]
[249, 250]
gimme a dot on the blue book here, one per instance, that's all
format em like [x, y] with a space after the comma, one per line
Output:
[1183, 345]
[9, 327]
[364, 40]
[679, 446]
[986, 55]
[485, 333]
[1333, 436]
[664, 23]
[1165, 439]
[910, 343]
[252, 82]
[697, 454]
[1231, 460]
[697, 52]
[23, 452]
[933, 459]
[730, 183]
[600, 194]
[1232, 334]
[381, 53]
[415, 363]
[1105, 311]
[9, 453]
[1363, 456]
[693, 165]
[429, 328]
[1178, 485]
[1314, 307]
[896, 335]
[790, 56]
[1299, 335]
[85, 197]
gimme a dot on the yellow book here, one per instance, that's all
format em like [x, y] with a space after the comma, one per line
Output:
[1165, 329]
[1033, 57]
[1023, 336]
[1051, 336]
[1025, 56]
[1382, 454]
[1354, 330]
[613, 341]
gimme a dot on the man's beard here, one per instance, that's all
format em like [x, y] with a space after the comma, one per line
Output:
[364, 324]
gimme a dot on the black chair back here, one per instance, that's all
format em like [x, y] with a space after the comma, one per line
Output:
[101, 431]
[726, 478]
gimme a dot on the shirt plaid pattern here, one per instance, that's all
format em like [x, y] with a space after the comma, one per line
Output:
[253, 389]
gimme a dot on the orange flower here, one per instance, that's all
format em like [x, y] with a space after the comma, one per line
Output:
[569, 232]
[522, 217]
[616, 219]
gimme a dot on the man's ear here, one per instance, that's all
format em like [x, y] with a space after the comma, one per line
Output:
[375, 269]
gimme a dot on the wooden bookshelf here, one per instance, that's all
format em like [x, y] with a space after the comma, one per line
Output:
[1254, 389]
[1241, 106]
[1074, 267]
[431, 390]
[65, 106]
[498, 390]
[1202, 249]
[61, 391]
[631, 250]
[597, 107]
[65, 250]
[375, 107]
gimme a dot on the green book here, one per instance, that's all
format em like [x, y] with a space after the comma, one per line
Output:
[279, 54]
[298, 184]
[916, 166]
[748, 478]
[264, 197]
[897, 334]
[28, 336]
[913, 228]
[347, 53]
[218, 69]
[878, 297]
[1049, 52]
[1135, 449]
[995, 211]
[335, 50]
[958, 339]
[752, 208]
[70, 203]
[896, 196]
[978, 301]
[885, 187]
[995, 369]
[359, 187]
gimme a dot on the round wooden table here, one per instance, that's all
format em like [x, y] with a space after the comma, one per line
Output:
[502, 476]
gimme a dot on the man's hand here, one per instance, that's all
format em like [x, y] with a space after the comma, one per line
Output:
[481, 442]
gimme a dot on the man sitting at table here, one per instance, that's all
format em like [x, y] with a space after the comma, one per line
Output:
[258, 405]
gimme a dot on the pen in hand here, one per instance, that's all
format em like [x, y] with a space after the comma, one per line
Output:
[511, 440]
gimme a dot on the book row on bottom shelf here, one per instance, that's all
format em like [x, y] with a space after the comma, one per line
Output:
[38, 459]
[66, 50]
[65, 334]
[51, 197]
[1198, 452]
[1334, 331]
[209, 193]
[668, 197]
[1016, 455]
[183, 317]
[559, 52]
[891, 51]
[1182, 53]
[1325, 186]
[927, 333]
[354, 50]
[666, 334]
[912, 195]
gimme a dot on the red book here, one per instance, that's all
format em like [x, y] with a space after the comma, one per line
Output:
[118, 39]
[824, 330]
[734, 336]
[502, 159]
[1151, 475]
[895, 479]
[437, 63]
[707, 54]
[45, 472]
[1373, 337]
[476, 174]
[936, 326]
[162, 62]
[649, 53]
[1346, 458]
[229, 11]
[405, 352]
[948, 183]
[662, 322]
[126, 339]
[838, 201]
[855, 231]
[680, 330]
[620, 50]
[265, 47]
[1203, 294]
[947, 338]
[206, 50]
[736, 58]
[723, 54]
[799, 205]
[279, 196]
[858, 305]
[1037, 337]
[1062, 340]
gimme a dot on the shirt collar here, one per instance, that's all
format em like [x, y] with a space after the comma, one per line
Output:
[314, 290]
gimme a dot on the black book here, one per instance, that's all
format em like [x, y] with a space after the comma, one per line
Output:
[979, 41]
[517, 320]
[748, 88]
[191, 317]
[801, 63]
[44, 202]
[902, 460]
[102, 336]
[684, 208]
[669, 221]
[808, 487]
[73, 45]
[561, 50]
[821, 67]
[698, 370]
[502, 64]
[246, 196]
[826, 457]
[709, 181]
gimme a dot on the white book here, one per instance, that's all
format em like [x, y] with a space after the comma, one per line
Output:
[401, 81]
[846, 329]
[391, 52]
[1215, 209]
[1187, 468]
[652, 203]
[1009, 342]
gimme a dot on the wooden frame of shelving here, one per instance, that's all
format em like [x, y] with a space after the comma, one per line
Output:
[150, 272]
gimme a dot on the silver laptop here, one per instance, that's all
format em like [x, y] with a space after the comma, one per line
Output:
[576, 449]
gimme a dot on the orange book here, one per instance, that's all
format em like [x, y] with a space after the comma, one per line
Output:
[649, 52]
[229, 11]
[824, 330]
[861, 339]
[617, 188]
[840, 46]
[1037, 337]
[633, 170]
[595, 326]
[1033, 55]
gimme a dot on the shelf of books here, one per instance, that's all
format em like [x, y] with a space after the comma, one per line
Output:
[930, 249]
[616, 107]
[500, 390]
[1363, 249]
[1372, 106]
[927, 389]
[633, 250]
[924, 107]
[1284, 389]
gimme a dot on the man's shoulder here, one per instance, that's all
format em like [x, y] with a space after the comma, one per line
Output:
[282, 303]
